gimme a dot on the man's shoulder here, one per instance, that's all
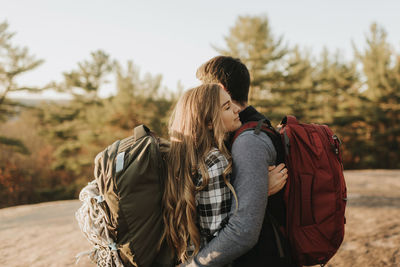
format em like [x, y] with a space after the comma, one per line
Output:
[249, 146]
[251, 137]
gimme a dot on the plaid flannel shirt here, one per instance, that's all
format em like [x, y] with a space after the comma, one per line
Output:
[214, 201]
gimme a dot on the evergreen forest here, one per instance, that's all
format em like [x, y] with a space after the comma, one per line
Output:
[47, 149]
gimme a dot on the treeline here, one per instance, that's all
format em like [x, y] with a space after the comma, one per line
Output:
[47, 150]
[358, 98]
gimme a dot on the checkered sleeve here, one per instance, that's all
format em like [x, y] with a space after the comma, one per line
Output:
[214, 201]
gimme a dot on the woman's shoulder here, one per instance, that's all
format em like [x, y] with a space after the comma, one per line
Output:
[215, 158]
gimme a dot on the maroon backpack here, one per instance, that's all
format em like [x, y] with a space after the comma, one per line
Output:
[315, 192]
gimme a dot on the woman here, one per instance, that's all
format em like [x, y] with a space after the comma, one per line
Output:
[197, 197]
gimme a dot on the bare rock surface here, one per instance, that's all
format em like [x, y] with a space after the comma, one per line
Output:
[47, 234]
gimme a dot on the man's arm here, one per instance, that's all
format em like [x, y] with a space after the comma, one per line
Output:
[252, 154]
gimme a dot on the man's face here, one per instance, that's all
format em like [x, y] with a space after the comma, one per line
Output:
[229, 112]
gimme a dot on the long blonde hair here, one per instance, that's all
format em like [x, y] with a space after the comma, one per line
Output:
[195, 127]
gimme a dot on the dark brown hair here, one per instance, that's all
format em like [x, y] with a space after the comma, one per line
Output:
[230, 72]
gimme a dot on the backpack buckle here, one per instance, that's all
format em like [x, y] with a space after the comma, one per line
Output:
[336, 138]
[113, 246]
[99, 198]
[336, 143]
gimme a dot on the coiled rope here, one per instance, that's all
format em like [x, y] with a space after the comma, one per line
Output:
[93, 222]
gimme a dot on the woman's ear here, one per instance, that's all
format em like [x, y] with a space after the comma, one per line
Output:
[210, 127]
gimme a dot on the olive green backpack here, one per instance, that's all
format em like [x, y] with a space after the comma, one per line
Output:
[129, 179]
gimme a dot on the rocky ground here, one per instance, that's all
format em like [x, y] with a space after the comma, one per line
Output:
[47, 234]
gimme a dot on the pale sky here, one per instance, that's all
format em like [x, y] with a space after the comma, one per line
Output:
[174, 37]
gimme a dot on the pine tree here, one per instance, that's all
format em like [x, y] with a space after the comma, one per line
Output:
[72, 126]
[88, 123]
[381, 106]
[337, 83]
[281, 78]
[141, 100]
[14, 62]
[292, 90]
[252, 40]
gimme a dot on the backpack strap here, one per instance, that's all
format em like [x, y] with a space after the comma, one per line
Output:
[265, 126]
[138, 132]
[275, 228]
[289, 119]
[258, 126]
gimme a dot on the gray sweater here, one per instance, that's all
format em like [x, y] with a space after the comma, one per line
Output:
[252, 154]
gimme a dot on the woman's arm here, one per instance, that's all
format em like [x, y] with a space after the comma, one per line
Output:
[252, 154]
[214, 201]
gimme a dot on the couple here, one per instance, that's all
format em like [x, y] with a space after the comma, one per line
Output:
[217, 193]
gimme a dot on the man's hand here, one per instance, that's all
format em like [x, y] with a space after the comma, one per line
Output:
[277, 178]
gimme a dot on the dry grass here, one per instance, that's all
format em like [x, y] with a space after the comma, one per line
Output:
[47, 235]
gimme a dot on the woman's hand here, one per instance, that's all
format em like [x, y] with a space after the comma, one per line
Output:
[277, 176]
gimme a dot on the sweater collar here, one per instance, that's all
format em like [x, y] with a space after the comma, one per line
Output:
[250, 114]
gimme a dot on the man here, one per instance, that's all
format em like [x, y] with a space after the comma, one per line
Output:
[249, 238]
